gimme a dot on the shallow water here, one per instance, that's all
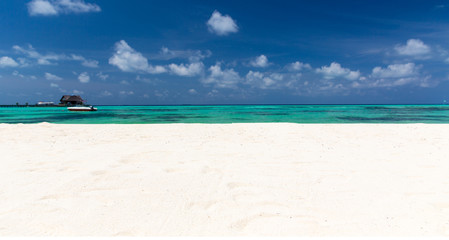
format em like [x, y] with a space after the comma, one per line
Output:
[232, 114]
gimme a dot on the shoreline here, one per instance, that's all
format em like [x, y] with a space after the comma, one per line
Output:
[241, 179]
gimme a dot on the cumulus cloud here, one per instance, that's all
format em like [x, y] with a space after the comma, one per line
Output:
[395, 75]
[260, 61]
[102, 76]
[7, 62]
[192, 91]
[54, 85]
[41, 7]
[334, 70]
[298, 66]
[187, 70]
[191, 55]
[52, 77]
[56, 7]
[414, 47]
[396, 71]
[129, 60]
[85, 62]
[156, 69]
[227, 78]
[274, 80]
[221, 25]
[258, 79]
[84, 77]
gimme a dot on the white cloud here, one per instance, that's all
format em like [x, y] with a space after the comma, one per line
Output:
[77, 92]
[41, 59]
[298, 66]
[85, 62]
[126, 93]
[258, 79]
[56, 7]
[395, 75]
[335, 71]
[187, 70]
[396, 71]
[129, 60]
[192, 91]
[167, 53]
[353, 75]
[221, 25]
[23, 62]
[264, 80]
[43, 62]
[52, 77]
[41, 7]
[227, 78]
[260, 61]
[90, 63]
[213, 93]
[77, 6]
[7, 62]
[17, 74]
[191, 55]
[102, 76]
[146, 80]
[51, 58]
[84, 77]
[106, 93]
[156, 69]
[414, 47]
[54, 85]
[30, 51]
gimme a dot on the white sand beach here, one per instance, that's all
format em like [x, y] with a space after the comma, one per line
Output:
[275, 179]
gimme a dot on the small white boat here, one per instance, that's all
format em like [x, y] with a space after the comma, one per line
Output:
[82, 109]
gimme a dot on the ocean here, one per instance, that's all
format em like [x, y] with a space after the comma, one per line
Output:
[231, 114]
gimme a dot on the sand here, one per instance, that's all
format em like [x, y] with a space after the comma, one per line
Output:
[276, 179]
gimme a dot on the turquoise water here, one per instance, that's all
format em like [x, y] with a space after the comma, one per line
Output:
[232, 114]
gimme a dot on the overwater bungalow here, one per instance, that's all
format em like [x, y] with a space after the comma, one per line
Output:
[71, 100]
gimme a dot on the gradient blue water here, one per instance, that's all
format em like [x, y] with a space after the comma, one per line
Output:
[232, 114]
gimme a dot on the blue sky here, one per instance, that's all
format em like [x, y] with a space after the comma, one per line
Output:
[225, 52]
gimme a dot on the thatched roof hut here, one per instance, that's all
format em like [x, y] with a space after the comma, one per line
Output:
[71, 100]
